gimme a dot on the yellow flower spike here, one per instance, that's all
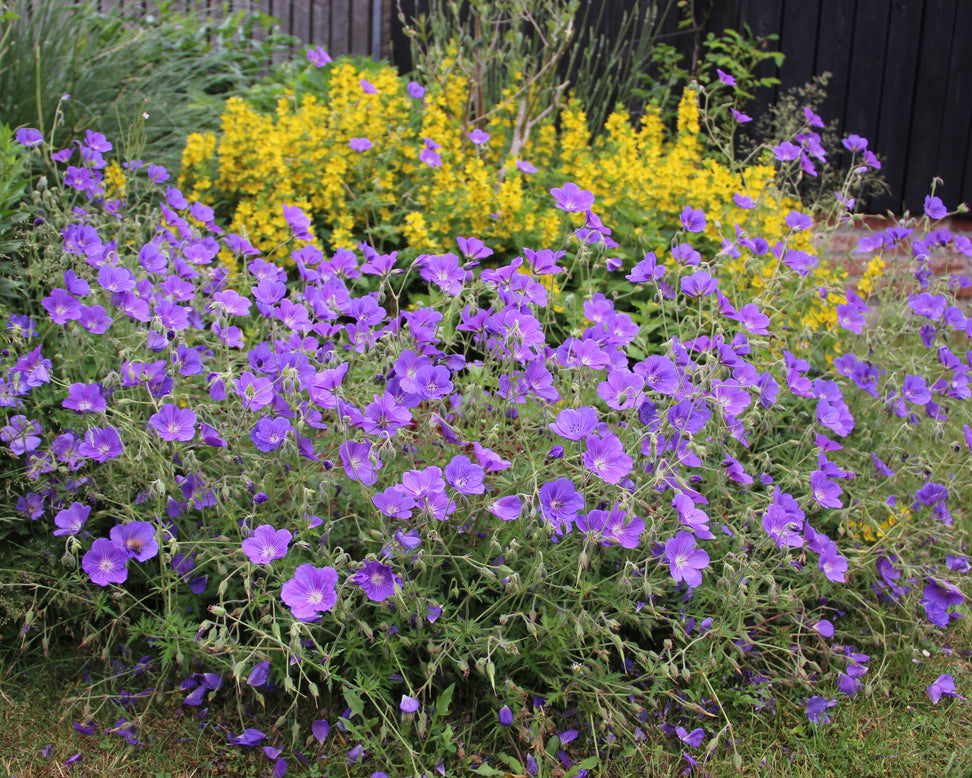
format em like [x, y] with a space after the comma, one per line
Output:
[115, 183]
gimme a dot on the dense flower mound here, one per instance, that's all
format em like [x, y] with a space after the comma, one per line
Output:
[297, 479]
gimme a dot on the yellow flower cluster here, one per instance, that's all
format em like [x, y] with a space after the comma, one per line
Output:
[114, 181]
[871, 277]
[861, 530]
[424, 180]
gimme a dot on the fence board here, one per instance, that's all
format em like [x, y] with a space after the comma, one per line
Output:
[953, 145]
[863, 104]
[835, 30]
[799, 24]
[929, 107]
[896, 95]
[340, 27]
[321, 24]
[763, 19]
[300, 20]
[359, 12]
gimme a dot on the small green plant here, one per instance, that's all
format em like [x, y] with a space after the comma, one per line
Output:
[13, 216]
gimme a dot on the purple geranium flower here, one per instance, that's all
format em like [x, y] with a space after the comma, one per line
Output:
[660, 374]
[944, 685]
[622, 389]
[22, 434]
[938, 597]
[310, 591]
[572, 198]
[685, 561]
[824, 627]
[174, 423]
[833, 565]
[783, 520]
[269, 433]
[692, 739]
[267, 544]
[854, 143]
[479, 136]
[693, 219]
[106, 562]
[137, 539]
[817, 710]
[29, 136]
[560, 502]
[71, 520]
[377, 580]
[357, 462]
[754, 320]
[62, 306]
[699, 284]
[394, 502]
[431, 382]
[935, 208]
[464, 476]
[360, 144]
[320, 729]
[575, 423]
[318, 57]
[786, 152]
[606, 458]
[506, 508]
[797, 221]
[689, 416]
[256, 391]
[825, 492]
[101, 444]
[409, 704]
[299, 222]
[249, 737]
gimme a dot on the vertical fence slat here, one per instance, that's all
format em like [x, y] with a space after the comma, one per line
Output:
[340, 27]
[931, 102]
[863, 104]
[799, 28]
[835, 29]
[387, 20]
[360, 12]
[300, 15]
[321, 25]
[763, 18]
[957, 116]
[896, 94]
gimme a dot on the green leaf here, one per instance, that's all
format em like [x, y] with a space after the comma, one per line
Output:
[445, 700]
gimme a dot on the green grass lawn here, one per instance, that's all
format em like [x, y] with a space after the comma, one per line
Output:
[890, 729]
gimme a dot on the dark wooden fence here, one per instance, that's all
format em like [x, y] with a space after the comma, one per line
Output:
[902, 78]
[902, 69]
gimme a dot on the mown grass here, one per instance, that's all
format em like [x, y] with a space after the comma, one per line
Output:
[890, 729]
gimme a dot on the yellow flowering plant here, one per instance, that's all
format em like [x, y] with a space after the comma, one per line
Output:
[373, 159]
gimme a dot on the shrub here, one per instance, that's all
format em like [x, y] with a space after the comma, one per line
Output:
[297, 483]
[420, 180]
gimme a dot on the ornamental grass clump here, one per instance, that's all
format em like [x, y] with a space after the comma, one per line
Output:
[473, 531]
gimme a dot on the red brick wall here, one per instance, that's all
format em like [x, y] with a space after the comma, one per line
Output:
[840, 247]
